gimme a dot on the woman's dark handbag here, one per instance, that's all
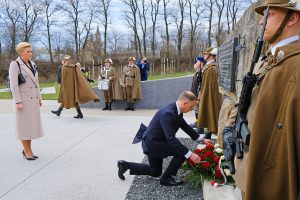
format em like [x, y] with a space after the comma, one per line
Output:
[21, 78]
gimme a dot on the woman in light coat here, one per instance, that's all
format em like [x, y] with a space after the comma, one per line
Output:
[27, 99]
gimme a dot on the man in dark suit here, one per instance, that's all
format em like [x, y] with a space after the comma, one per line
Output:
[159, 142]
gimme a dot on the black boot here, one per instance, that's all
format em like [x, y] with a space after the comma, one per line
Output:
[131, 106]
[207, 135]
[57, 112]
[109, 106]
[106, 106]
[128, 107]
[79, 115]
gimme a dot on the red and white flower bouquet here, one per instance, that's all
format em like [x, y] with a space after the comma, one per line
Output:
[212, 167]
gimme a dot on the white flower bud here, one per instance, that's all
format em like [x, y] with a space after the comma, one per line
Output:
[217, 145]
[222, 157]
[218, 150]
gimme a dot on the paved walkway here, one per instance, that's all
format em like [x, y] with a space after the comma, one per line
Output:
[77, 156]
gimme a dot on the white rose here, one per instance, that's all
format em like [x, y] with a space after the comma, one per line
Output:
[223, 157]
[217, 145]
[218, 150]
[227, 172]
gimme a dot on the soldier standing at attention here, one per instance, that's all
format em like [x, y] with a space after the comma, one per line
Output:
[112, 92]
[209, 96]
[270, 168]
[196, 85]
[131, 81]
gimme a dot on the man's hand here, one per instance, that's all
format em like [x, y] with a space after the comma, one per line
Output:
[195, 158]
[208, 142]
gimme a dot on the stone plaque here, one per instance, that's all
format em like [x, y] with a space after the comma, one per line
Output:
[228, 60]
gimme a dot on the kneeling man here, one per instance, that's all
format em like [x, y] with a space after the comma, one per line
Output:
[159, 142]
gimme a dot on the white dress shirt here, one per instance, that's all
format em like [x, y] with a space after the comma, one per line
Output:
[197, 140]
[284, 42]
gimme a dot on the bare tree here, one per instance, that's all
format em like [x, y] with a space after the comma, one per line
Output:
[10, 17]
[143, 22]
[31, 11]
[179, 26]
[220, 4]
[131, 18]
[194, 24]
[210, 5]
[154, 13]
[166, 14]
[80, 27]
[50, 10]
[233, 9]
[115, 43]
[105, 5]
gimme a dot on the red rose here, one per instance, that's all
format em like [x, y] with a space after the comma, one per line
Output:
[198, 151]
[208, 154]
[212, 182]
[205, 165]
[216, 159]
[192, 163]
[218, 173]
[209, 146]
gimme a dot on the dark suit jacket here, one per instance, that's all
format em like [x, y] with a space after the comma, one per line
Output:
[159, 138]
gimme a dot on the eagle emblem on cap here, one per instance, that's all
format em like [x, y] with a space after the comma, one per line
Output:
[280, 55]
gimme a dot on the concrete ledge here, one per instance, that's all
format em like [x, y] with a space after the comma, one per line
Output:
[225, 192]
[156, 93]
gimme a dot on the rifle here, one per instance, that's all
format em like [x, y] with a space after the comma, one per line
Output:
[238, 137]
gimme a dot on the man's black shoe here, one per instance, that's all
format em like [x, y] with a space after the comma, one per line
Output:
[170, 182]
[194, 125]
[122, 169]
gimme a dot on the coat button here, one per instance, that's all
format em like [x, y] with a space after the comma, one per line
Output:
[279, 125]
[31, 98]
[31, 87]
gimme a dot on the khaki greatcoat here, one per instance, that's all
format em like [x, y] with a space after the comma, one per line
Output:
[114, 83]
[273, 165]
[133, 71]
[28, 120]
[210, 101]
[74, 87]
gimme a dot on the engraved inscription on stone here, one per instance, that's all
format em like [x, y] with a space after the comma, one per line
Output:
[227, 59]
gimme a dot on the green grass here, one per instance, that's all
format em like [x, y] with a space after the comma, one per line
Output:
[173, 75]
[7, 95]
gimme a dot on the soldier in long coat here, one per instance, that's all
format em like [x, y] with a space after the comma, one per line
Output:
[131, 82]
[270, 169]
[209, 96]
[74, 88]
[113, 92]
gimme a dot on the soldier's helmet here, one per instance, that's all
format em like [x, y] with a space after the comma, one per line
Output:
[210, 50]
[131, 58]
[293, 5]
[108, 60]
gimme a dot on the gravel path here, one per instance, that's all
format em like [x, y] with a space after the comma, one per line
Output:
[146, 187]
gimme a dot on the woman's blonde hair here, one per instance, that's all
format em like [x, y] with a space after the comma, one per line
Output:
[21, 46]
